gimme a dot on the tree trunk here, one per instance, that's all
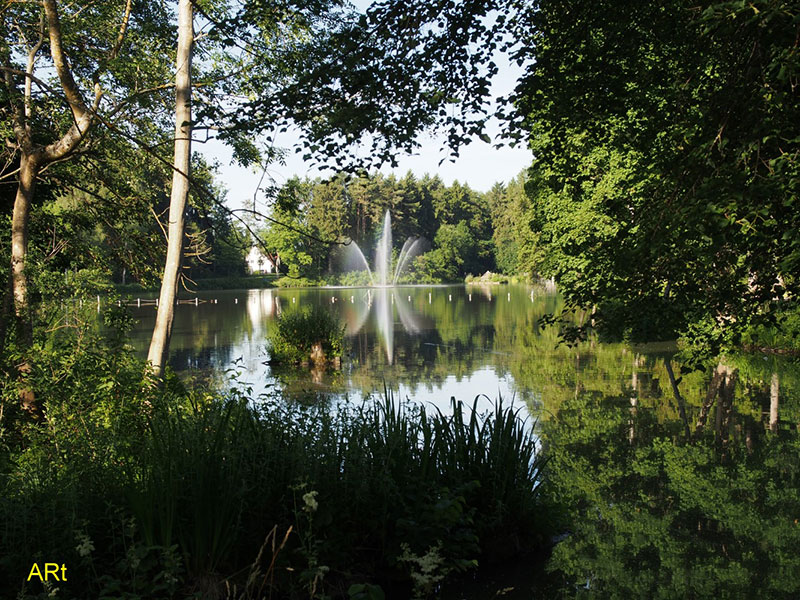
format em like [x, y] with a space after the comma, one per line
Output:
[727, 393]
[723, 385]
[713, 391]
[5, 315]
[28, 171]
[748, 434]
[634, 399]
[774, 389]
[159, 344]
[33, 158]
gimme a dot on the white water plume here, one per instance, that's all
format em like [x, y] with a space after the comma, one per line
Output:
[380, 275]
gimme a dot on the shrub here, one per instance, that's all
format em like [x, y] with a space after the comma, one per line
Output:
[162, 492]
[293, 282]
[355, 278]
[379, 492]
[156, 491]
[490, 277]
[299, 334]
[63, 483]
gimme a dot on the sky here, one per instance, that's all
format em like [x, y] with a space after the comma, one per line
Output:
[479, 165]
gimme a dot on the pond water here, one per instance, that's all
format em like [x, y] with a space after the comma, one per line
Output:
[657, 500]
[425, 343]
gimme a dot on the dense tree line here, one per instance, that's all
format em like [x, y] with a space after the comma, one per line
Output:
[665, 175]
[663, 198]
[96, 81]
[467, 232]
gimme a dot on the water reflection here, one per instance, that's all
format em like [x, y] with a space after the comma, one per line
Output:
[667, 491]
[651, 512]
[423, 341]
[262, 305]
[381, 304]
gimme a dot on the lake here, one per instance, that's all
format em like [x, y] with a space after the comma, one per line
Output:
[657, 499]
[425, 343]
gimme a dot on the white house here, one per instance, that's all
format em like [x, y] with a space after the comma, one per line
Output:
[258, 262]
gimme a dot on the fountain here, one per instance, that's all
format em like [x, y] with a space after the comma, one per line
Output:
[380, 302]
[382, 276]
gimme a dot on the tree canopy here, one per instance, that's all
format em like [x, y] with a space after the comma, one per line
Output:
[665, 181]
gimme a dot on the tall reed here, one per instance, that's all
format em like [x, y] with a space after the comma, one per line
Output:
[368, 491]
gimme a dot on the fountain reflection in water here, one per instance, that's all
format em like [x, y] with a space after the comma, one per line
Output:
[382, 305]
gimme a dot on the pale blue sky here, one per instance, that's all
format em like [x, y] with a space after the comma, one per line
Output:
[479, 165]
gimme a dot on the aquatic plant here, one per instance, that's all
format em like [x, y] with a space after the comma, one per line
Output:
[306, 334]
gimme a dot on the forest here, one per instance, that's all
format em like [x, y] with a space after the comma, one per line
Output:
[466, 232]
[660, 378]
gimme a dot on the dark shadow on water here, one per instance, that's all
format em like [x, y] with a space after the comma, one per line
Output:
[523, 578]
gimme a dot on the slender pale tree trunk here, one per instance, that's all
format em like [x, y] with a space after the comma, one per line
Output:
[774, 389]
[28, 171]
[159, 344]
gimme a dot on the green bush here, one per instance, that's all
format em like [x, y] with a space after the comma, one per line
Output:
[295, 282]
[490, 277]
[295, 333]
[64, 483]
[379, 492]
[355, 278]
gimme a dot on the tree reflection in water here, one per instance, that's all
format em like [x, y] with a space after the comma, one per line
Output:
[652, 513]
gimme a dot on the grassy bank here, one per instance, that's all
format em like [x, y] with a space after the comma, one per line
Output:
[163, 492]
[495, 278]
[249, 282]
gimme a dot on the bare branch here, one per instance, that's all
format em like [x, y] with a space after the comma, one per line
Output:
[31, 64]
[160, 224]
[9, 174]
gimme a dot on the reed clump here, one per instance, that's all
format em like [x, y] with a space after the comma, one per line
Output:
[309, 334]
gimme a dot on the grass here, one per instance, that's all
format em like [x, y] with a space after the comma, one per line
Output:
[490, 278]
[297, 282]
[158, 491]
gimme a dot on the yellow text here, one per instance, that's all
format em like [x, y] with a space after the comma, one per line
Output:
[50, 571]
